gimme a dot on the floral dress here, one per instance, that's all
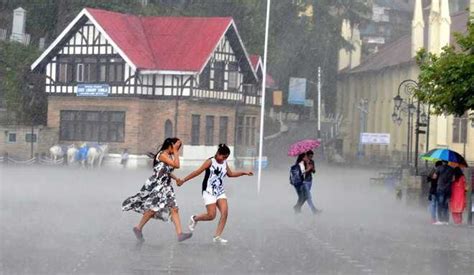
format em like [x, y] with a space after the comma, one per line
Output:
[157, 194]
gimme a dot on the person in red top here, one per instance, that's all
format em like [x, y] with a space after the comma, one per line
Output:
[458, 196]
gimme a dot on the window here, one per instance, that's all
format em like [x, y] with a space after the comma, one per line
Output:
[460, 129]
[28, 138]
[63, 72]
[223, 124]
[168, 129]
[246, 130]
[12, 137]
[233, 76]
[209, 130]
[195, 129]
[219, 67]
[90, 70]
[80, 72]
[204, 77]
[253, 130]
[240, 130]
[115, 71]
[92, 126]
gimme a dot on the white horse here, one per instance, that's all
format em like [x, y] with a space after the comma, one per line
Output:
[71, 154]
[95, 155]
[56, 152]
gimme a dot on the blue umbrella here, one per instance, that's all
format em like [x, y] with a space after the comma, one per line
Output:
[446, 155]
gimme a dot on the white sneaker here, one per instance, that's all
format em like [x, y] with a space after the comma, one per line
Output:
[218, 239]
[192, 224]
[438, 223]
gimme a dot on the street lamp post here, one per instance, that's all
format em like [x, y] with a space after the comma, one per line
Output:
[364, 110]
[32, 102]
[408, 105]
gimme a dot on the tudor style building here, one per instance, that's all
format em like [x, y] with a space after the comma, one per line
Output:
[132, 81]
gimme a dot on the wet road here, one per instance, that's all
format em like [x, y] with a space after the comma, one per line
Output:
[68, 221]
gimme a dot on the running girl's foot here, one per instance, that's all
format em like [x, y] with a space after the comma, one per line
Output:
[184, 236]
[218, 239]
[192, 223]
[138, 234]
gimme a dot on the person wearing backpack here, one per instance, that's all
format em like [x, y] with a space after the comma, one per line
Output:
[297, 172]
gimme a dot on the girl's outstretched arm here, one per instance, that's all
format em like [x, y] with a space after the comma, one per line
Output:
[237, 174]
[197, 172]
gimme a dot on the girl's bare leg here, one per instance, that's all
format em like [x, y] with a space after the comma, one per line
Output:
[223, 208]
[176, 220]
[146, 217]
[209, 216]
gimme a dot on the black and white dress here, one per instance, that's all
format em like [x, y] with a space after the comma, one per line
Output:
[157, 194]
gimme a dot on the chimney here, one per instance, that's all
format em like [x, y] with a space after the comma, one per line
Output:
[444, 25]
[356, 53]
[18, 26]
[417, 29]
[434, 28]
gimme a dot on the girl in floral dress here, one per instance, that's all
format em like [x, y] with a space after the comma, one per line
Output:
[156, 198]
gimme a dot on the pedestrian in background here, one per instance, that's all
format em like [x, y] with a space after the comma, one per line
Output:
[297, 173]
[433, 207]
[457, 201]
[309, 169]
[124, 158]
[444, 177]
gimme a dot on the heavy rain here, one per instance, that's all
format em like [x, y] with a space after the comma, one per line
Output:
[236, 137]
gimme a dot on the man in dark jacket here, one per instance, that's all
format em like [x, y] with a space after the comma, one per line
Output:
[444, 175]
[433, 191]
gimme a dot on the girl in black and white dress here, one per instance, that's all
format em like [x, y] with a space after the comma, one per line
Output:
[156, 198]
[213, 191]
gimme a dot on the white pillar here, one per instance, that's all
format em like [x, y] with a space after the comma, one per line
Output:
[433, 28]
[417, 29]
[18, 26]
[445, 24]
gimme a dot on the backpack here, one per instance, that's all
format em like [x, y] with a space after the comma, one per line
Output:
[296, 176]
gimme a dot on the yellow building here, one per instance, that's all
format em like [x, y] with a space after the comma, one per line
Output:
[366, 90]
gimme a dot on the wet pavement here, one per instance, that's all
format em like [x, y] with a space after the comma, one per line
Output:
[69, 221]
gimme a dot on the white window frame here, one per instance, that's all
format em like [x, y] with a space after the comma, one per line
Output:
[80, 72]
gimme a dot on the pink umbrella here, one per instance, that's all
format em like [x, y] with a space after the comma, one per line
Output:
[303, 146]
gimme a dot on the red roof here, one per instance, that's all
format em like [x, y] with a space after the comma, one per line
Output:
[254, 58]
[164, 43]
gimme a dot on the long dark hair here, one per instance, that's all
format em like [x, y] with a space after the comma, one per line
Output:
[300, 158]
[458, 173]
[223, 150]
[166, 144]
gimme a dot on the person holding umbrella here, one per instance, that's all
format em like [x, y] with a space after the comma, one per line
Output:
[444, 175]
[301, 172]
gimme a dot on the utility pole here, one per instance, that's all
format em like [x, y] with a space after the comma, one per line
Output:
[319, 102]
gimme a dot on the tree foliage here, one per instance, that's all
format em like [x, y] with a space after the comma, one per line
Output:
[447, 81]
[25, 104]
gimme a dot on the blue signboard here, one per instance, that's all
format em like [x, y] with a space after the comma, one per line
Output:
[93, 89]
[297, 91]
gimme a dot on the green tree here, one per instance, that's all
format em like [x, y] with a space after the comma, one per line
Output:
[447, 81]
[23, 103]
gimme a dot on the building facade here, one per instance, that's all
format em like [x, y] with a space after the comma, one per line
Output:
[132, 81]
[366, 92]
